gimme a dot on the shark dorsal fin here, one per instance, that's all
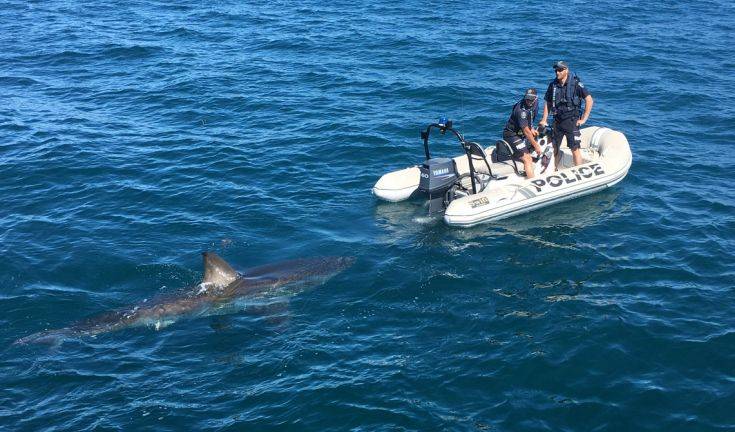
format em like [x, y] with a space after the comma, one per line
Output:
[217, 271]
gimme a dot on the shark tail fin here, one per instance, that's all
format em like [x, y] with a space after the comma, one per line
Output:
[47, 337]
[217, 271]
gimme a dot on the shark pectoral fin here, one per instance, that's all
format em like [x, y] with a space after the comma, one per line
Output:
[276, 314]
[220, 323]
[217, 271]
[279, 322]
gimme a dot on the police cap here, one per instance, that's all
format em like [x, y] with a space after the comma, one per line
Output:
[560, 65]
[530, 94]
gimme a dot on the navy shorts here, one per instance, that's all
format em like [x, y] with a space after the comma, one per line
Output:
[519, 145]
[566, 128]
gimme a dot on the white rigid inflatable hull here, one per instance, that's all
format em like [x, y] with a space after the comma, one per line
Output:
[606, 159]
[398, 185]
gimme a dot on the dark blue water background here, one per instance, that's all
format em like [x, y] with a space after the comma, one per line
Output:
[134, 135]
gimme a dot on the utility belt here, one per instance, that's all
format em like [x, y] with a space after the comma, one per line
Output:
[566, 114]
[512, 132]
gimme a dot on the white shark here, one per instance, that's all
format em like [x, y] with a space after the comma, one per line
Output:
[222, 291]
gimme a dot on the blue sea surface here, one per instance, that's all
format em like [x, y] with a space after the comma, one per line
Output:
[135, 135]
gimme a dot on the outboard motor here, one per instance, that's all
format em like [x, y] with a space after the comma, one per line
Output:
[437, 176]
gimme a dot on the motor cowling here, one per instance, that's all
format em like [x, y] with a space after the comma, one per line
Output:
[437, 176]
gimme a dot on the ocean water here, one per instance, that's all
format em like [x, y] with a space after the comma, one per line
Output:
[135, 135]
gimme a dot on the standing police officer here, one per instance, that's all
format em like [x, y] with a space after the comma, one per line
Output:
[519, 132]
[564, 99]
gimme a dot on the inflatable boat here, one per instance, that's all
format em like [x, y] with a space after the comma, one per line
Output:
[487, 184]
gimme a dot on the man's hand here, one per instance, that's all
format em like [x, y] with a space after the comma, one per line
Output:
[580, 122]
[534, 132]
[543, 123]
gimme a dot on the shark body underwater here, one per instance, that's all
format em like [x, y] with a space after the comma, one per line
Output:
[222, 291]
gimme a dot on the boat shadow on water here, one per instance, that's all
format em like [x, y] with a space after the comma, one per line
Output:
[404, 220]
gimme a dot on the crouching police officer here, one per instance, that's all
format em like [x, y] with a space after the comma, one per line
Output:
[564, 99]
[519, 132]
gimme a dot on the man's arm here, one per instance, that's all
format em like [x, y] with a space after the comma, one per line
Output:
[529, 136]
[543, 122]
[548, 97]
[588, 102]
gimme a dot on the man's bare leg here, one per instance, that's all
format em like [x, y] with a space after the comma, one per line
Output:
[527, 165]
[577, 155]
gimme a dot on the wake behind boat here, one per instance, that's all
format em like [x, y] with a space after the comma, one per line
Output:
[486, 184]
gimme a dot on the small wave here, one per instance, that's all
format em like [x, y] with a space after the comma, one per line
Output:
[18, 81]
[134, 52]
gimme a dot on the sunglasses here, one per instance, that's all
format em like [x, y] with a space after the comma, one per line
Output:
[559, 70]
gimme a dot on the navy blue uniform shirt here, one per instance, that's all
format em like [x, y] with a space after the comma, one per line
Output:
[554, 86]
[520, 117]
